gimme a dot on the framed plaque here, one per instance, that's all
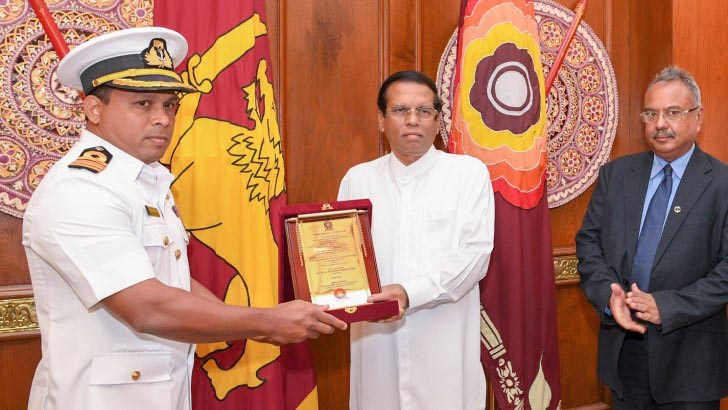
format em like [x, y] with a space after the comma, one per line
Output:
[331, 260]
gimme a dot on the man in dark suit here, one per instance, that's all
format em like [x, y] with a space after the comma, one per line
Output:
[653, 260]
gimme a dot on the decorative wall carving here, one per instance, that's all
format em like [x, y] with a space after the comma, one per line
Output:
[565, 268]
[18, 315]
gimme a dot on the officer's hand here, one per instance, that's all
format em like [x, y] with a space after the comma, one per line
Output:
[297, 321]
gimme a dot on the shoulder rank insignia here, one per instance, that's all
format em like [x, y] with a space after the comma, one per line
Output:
[94, 159]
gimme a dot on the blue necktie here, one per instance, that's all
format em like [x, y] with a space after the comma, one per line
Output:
[651, 232]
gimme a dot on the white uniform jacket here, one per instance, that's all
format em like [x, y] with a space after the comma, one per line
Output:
[87, 236]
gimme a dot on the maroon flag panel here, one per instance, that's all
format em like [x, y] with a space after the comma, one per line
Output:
[499, 116]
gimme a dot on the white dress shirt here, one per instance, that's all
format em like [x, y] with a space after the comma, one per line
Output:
[87, 236]
[432, 227]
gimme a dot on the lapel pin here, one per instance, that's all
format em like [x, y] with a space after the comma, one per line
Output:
[677, 209]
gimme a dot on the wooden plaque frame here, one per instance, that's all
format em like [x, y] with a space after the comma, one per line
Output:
[295, 269]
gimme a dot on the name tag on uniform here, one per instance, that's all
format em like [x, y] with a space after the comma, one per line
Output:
[152, 211]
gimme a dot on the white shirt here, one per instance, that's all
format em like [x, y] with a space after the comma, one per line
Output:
[86, 237]
[432, 227]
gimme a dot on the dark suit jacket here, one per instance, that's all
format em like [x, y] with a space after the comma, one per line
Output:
[688, 352]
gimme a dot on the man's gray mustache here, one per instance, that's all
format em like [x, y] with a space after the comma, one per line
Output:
[663, 134]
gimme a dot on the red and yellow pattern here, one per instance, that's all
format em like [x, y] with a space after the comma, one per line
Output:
[499, 115]
[499, 111]
[227, 156]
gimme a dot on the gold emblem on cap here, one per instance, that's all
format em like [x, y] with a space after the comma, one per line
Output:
[156, 55]
[350, 310]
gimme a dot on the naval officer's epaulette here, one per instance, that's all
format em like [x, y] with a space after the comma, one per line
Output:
[94, 159]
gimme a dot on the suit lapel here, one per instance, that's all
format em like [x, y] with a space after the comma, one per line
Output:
[635, 189]
[694, 181]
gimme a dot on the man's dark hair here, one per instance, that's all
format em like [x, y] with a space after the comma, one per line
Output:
[102, 92]
[409, 76]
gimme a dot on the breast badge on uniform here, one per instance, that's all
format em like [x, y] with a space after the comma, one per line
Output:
[94, 159]
[152, 211]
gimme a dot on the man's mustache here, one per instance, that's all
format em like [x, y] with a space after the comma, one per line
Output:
[663, 133]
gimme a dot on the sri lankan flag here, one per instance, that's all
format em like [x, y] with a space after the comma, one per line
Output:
[499, 117]
[227, 157]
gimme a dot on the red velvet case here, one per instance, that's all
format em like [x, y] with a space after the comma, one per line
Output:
[291, 258]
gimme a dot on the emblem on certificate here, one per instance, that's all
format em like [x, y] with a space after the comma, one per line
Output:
[331, 258]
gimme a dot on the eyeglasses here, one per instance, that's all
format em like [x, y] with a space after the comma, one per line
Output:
[672, 114]
[423, 113]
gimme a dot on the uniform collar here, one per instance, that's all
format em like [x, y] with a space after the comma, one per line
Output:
[404, 174]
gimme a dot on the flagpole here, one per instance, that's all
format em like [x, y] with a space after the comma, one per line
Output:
[50, 27]
[578, 15]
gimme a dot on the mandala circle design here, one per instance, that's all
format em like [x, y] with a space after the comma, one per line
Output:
[593, 109]
[590, 79]
[577, 53]
[585, 105]
[551, 34]
[571, 162]
[137, 12]
[587, 141]
[38, 114]
[12, 159]
[562, 115]
[581, 105]
[11, 10]
[37, 171]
